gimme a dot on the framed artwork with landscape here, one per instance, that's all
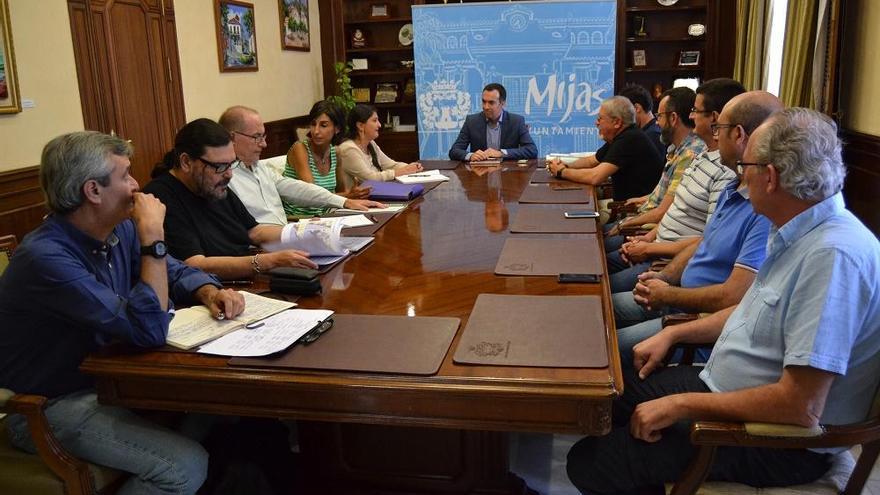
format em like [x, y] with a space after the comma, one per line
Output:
[236, 36]
[10, 101]
[294, 16]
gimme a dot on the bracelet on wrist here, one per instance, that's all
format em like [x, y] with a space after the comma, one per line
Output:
[255, 263]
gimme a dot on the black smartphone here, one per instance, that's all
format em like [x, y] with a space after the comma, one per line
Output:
[581, 214]
[578, 278]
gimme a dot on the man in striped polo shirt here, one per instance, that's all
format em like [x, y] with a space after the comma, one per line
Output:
[714, 273]
[683, 223]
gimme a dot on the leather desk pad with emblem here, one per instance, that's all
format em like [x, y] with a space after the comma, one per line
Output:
[545, 331]
[542, 176]
[550, 257]
[550, 220]
[379, 344]
[545, 193]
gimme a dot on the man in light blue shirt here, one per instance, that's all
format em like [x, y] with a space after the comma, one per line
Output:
[802, 348]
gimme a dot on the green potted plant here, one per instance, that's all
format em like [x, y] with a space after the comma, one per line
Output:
[343, 96]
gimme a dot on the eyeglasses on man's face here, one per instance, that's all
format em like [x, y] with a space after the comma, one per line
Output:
[664, 114]
[704, 112]
[258, 137]
[716, 128]
[221, 167]
[741, 166]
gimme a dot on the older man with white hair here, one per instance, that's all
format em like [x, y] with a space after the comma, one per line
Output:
[627, 155]
[802, 348]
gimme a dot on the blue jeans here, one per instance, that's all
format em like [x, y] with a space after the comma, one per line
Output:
[623, 276]
[161, 460]
[634, 324]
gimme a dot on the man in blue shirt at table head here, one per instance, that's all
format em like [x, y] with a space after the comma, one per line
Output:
[494, 133]
[94, 272]
[802, 348]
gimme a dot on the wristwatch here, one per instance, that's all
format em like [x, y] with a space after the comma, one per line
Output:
[156, 250]
[559, 172]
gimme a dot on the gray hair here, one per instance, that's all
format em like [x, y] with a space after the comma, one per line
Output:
[71, 160]
[802, 144]
[619, 107]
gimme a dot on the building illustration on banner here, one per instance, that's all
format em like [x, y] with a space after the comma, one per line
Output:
[556, 60]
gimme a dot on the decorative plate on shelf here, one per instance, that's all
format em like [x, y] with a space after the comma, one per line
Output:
[667, 3]
[405, 36]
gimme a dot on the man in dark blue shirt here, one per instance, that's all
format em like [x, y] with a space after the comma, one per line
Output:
[96, 271]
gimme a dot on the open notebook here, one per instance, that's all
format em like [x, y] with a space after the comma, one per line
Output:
[192, 327]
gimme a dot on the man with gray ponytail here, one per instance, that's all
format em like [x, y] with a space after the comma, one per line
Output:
[801, 348]
[94, 272]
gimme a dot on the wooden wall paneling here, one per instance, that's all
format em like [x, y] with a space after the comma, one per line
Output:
[22, 205]
[90, 89]
[281, 134]
[861, 153]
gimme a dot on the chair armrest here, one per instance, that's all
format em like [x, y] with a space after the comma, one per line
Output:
[605, 190]
[620, 209]
[74, 472]
[784, 436]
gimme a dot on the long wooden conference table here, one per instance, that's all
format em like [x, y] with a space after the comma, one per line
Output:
[384, 433]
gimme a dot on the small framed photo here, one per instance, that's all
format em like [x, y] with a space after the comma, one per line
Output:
[639, 59]
[361, 95]
[236, 35]
[379, 10]
[689, 58]
[359, 64]
[387, 93]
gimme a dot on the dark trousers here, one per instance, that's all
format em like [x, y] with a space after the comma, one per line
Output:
[618, 463]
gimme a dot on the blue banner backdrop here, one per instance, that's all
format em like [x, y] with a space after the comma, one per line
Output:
[555, 58]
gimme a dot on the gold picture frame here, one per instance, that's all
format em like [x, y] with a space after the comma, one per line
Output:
[10, 100]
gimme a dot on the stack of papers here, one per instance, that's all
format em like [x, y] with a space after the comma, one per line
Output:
[569, 158]
[272, 335]
[424, 176]
[192, 327]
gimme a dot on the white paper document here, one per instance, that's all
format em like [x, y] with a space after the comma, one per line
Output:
[390, 208]
[569, 158]
[317, 236]
[424, 176]
[356, 221]
[274, 334]
[192, 327]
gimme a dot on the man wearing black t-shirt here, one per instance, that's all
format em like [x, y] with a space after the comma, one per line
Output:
[206, 224]
[627, 154]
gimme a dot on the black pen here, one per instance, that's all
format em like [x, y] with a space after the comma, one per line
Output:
[373, 218]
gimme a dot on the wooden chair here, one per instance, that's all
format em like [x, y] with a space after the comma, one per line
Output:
[8, 243]
[53, 470]
[709, 435]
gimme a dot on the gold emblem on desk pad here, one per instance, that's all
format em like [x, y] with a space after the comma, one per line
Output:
[520, 267]
[484, 349]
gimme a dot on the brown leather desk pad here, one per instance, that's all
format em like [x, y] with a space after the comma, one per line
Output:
[542, 176]
[545, 331]
[550, 220]
[544, 193]
[550, 257]
[372, 343]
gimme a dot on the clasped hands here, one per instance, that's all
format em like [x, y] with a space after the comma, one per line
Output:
[635, 250]
[487, 154]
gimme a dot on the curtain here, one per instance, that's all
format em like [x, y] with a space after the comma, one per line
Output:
[804, 50]
[751, 42]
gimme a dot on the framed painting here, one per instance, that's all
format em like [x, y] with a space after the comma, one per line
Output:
[236, 36]
[10, 101]
[294, 16]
